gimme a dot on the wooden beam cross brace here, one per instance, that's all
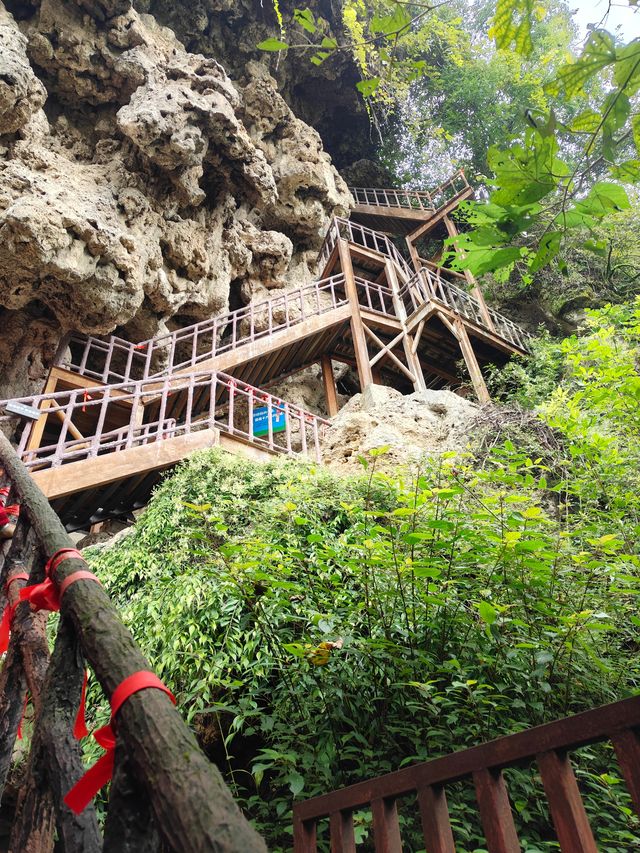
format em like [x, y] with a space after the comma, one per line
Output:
[386, 350]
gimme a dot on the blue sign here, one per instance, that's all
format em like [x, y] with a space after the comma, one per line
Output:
[261, 420]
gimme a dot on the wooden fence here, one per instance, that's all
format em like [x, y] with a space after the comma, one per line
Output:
[425, 201]
[548, 746]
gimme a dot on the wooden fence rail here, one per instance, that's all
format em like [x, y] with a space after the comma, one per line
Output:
[184, 404]
[163, 787]
[420, 200]
[548, 746]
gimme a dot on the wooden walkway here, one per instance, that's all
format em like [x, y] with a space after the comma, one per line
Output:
[397, 321]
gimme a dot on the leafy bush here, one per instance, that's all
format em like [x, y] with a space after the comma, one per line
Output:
[318, 631]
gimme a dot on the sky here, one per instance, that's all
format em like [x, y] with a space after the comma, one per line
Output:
[621, 15]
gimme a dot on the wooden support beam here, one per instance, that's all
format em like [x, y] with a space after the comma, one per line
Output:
[413, 362]
[102, 470]
[330, 390]
[446, 209]
[386, 351]
[357, 326]
[479, 385]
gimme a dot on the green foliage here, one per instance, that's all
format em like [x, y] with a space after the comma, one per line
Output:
[566, 173]
[318, 631]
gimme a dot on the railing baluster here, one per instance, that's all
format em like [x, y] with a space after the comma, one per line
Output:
[231, 385]
[287, 421]
[565, 803]
[341, 831]
[95, 440]
[495, 812]
[250, 404]
[386, 829]
[627, 746]
[304, 835]
[436, 826]
[269, 421]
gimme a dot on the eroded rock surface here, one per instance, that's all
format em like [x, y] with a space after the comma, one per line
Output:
[140, 188]
[423, 423]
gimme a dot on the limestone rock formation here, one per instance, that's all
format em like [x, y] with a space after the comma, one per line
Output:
[422, 423]
[140, 189]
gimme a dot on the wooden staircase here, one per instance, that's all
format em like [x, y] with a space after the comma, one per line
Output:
[399, 322]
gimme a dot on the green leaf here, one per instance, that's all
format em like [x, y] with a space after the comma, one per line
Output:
[635, 127]
[272, 44]
[629, 171]
[368, 87]
[598, 52]
[305, 18]
[627, 71]
[615, 111]
[512, 25]
[296, 783]
[587, 121]
[548, 248]
[390, 24]
[487, 613]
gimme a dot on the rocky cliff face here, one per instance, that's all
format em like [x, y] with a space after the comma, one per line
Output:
[140, 189]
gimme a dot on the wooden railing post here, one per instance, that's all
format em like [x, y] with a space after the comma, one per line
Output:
[565, 803]
[495, 812]
[436, 826]
[341, 832]
[386, 829]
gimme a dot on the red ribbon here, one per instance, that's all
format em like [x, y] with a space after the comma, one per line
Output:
[14, 510]
[9, 612]
[4, 492]
[97, 776]
[47, 595]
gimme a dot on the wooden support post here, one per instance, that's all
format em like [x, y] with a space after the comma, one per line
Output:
[565, 803]
[415, 255]
[476, 291]
[495, 812]
[386, 829]
[341, 831]
[410, 353]
[357, 330]
[477, 380]
[627, 746]
[330, 391]
[436, 826]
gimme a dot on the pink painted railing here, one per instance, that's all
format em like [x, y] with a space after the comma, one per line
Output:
[425, 286]
[420, 200]
[118, 360]
[207, 400]
[359, 235]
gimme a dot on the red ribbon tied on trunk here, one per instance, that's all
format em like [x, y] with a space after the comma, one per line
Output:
[9, 612]
[47, 595]
[79, 797]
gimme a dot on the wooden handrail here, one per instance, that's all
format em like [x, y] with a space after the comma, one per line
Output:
[192, 807]
[547, 745]
[301, 435]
